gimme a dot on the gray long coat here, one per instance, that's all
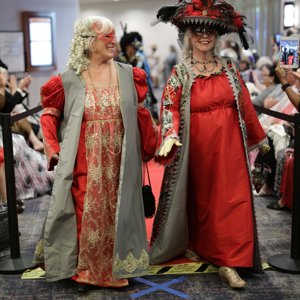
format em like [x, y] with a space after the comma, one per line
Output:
[170, 230]
[60, 235]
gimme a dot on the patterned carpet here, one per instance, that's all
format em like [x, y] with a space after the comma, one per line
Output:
[274, 234]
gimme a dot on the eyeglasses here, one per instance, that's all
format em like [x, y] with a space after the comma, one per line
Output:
[199, 32]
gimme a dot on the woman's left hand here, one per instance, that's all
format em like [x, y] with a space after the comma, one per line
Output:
[281, 73]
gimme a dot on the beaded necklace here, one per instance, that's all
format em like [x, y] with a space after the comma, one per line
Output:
[97, 89]
[204, 68]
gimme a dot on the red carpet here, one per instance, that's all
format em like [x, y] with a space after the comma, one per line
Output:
[156, 174]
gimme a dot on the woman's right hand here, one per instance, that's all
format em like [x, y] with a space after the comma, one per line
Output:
[167, 146]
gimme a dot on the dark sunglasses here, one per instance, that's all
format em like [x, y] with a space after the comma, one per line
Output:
[203, 31]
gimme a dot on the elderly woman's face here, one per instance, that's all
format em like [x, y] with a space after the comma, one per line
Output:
[104, 46]
[203, 40]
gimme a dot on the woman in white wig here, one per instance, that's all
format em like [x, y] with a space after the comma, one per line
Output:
[94, 231]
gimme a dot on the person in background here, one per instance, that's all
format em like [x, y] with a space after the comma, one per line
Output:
[95, 223]
[133, 53]
[208, 126]
[272, 87]
[286, 188]
[154, 62]
[9, 99]
[14, 92]
[229, 50]
[170, 61]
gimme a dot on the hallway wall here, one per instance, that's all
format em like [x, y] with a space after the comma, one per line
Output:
[138, 16]
[263, 16]
[67, 12]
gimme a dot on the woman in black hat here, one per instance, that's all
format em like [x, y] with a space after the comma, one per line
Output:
[208, 126]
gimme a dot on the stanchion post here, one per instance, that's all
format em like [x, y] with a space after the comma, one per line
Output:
[295, 239]
[10, 187]
[285, 262]
[15, 263]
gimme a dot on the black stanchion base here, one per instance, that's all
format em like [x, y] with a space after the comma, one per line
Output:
[284, 263]
[10, 265]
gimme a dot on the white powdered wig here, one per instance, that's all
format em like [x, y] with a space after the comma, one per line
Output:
[83, 37]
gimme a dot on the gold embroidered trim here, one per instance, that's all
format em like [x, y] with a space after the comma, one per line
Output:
[39, 252]
[130, 264]
[52, 111]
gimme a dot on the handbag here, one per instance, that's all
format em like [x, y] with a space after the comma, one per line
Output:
[148, 133]
[4, 231]
[148, 198]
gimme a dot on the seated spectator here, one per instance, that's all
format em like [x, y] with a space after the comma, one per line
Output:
[31, 176]
[24, 127]
[286, 188]
[14, 93]
[10, 96]
[271, 83]
[283, 104]
[287, 184]
[256, 74]
[3, 195]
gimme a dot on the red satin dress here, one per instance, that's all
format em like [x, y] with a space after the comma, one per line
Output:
[96, 174]
[287, 183]
[1, 156]
[219, 207]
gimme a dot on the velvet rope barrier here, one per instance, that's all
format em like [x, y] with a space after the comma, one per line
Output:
[16, 262]
[290, 263]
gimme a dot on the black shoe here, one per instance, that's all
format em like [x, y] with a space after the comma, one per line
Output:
[274, 205]
[20, 209]
[20, 202]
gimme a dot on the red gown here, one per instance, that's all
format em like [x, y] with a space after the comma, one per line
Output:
[1, 156]
[287, 183]
[220, 216]
[96, 173]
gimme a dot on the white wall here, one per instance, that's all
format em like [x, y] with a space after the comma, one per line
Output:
[138, 15]
[67, 11]
[262, 15]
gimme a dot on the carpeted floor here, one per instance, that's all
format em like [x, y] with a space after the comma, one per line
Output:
[274, 234]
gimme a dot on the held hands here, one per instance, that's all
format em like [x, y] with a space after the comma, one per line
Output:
[167, 146]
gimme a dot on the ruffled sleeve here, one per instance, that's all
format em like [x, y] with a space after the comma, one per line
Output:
[52, 100]
[170, 115]
[255, 133]
[140, 82]
[1, 156]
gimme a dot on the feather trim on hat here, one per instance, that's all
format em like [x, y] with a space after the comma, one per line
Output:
[217, 14]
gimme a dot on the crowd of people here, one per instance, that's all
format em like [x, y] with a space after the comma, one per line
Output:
[32, 178]
[218, 152]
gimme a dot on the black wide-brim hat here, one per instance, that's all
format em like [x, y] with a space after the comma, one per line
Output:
[216, 14]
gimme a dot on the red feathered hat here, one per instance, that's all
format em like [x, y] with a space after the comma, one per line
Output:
[216, 14]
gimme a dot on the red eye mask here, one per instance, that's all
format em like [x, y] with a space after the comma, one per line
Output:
[107, 38]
